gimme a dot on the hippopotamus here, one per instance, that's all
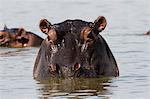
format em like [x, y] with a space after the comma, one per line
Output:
[148, 32]
[74, 48]
[19, 37]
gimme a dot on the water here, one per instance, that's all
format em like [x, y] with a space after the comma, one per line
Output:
[127, 20]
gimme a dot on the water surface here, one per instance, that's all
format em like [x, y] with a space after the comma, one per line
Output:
[127, 21]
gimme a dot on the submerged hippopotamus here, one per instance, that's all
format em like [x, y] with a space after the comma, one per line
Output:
[74, 48]
[148, 32]
[18, 37]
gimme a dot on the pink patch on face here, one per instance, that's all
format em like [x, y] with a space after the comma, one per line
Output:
[101, 27]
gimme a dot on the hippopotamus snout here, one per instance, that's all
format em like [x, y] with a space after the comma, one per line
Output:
[64, 71]
[64, 58]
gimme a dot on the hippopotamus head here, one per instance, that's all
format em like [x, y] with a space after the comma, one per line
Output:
[63, 51]
[14, 37]
[95, 51]
[18, 37]
[69, 51]
[67, 56]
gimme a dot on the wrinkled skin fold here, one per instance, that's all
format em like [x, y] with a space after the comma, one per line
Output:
[74, 48]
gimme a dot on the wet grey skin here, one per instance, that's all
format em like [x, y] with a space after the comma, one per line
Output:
[74, 55]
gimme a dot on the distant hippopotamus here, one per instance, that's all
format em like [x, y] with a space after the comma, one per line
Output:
[74, 48]
[148, 32]
[18, 37]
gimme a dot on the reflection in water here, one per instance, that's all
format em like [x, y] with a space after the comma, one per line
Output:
[13, 52]
[127, 21]
[74, 88]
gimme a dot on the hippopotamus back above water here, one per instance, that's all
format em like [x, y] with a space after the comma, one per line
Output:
[148, 32]
[18, 37]
[74, 48]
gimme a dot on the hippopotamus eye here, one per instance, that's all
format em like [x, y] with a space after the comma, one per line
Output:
[89, 40]
[21, 30]
[91, 35]
[76, 67]
[43, 27]
[63, 43]
[1, 36]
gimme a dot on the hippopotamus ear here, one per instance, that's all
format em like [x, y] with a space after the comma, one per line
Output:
[92, 31]
[20, 31]
[47, 28]
[99, 24]
[86, 31]
[5, 27]
[45, 24]
[22, 36]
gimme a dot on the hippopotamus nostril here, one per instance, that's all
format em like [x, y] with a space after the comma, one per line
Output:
[44, 31]
[52, 68]
[77, 66]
